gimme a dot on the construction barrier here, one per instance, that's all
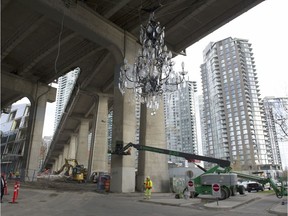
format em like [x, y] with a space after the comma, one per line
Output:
[107, 185]
[101, 183]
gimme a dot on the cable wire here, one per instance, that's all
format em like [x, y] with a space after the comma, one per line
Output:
[59, 42]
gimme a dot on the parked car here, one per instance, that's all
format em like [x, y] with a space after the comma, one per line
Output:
[279, 184]
[267, 186]
[254, 187]
[244, 183]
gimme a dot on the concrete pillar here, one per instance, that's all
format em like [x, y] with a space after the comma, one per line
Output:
[52, 168]
[152, 133]
[39, 94]
[37, 118]
[100, 153]
[124, 129]
[60, 161]
[82, 145]
[72, 147]
[55, 165]
[65, 152]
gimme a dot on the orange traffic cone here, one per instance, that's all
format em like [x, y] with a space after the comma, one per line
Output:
[18, 187]
[14, 194]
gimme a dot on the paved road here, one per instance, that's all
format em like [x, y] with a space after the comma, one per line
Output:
[44, 203]
[258, 206]
[35, 202]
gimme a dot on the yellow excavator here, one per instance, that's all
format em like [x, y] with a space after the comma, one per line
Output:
[73, 171]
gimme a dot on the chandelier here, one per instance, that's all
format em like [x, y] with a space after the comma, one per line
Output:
[152, 73]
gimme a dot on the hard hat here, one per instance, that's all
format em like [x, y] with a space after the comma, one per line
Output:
[148, 177]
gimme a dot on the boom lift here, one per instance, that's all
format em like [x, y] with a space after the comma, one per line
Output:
[221, 173]
[203, 183]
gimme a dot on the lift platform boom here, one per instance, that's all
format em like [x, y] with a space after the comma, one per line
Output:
[224, 164]
[120, 150]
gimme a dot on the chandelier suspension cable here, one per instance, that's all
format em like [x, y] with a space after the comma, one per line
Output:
[139, 12]
[124, 46]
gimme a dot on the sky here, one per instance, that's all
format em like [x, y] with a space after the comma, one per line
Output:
[265, 26]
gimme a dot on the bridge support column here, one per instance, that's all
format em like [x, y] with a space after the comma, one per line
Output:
[65, 151]
[82, 145]
[32, 149]
[60, 161]
[72, 147]
[152, 133]
[55, 165]
[124, 129]
[100, 152]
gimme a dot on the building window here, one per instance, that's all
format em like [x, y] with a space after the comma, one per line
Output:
[12, 116]
[27, 111]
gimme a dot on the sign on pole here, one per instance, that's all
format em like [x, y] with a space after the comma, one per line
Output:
[216, 190]
[191, 186]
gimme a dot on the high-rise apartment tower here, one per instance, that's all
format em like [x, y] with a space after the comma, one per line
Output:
[234, 120]
[65, 85]
[180, 120]
[276, 109]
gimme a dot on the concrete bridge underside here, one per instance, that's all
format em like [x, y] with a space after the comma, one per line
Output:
[45, 39]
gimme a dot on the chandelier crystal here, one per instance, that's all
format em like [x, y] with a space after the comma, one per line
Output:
[152, 73]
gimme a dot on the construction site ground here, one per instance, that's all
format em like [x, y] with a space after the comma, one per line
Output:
[61, 198]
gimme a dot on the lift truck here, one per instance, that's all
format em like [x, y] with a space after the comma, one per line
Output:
[203, 183]
[221, 173]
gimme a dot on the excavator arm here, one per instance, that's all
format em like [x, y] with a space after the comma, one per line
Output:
[67, 165]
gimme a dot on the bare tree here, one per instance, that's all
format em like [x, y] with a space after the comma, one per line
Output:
[285, 175]
[279, 113]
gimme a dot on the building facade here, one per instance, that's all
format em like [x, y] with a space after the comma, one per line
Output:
[233, 113]
[65, 85]
[276, 110]
[14, 132]
[180, 120]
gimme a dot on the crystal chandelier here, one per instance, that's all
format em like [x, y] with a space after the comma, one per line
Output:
[152, 73]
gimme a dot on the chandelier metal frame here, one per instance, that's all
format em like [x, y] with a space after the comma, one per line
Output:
[152, 73]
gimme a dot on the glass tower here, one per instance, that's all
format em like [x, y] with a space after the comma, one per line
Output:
[65, 86]
[180, 120]
[276, 109]
[233, 114]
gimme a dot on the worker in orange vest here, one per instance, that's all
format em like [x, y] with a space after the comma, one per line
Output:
[148, 187]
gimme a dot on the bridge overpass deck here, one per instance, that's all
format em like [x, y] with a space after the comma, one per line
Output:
[44, 39]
